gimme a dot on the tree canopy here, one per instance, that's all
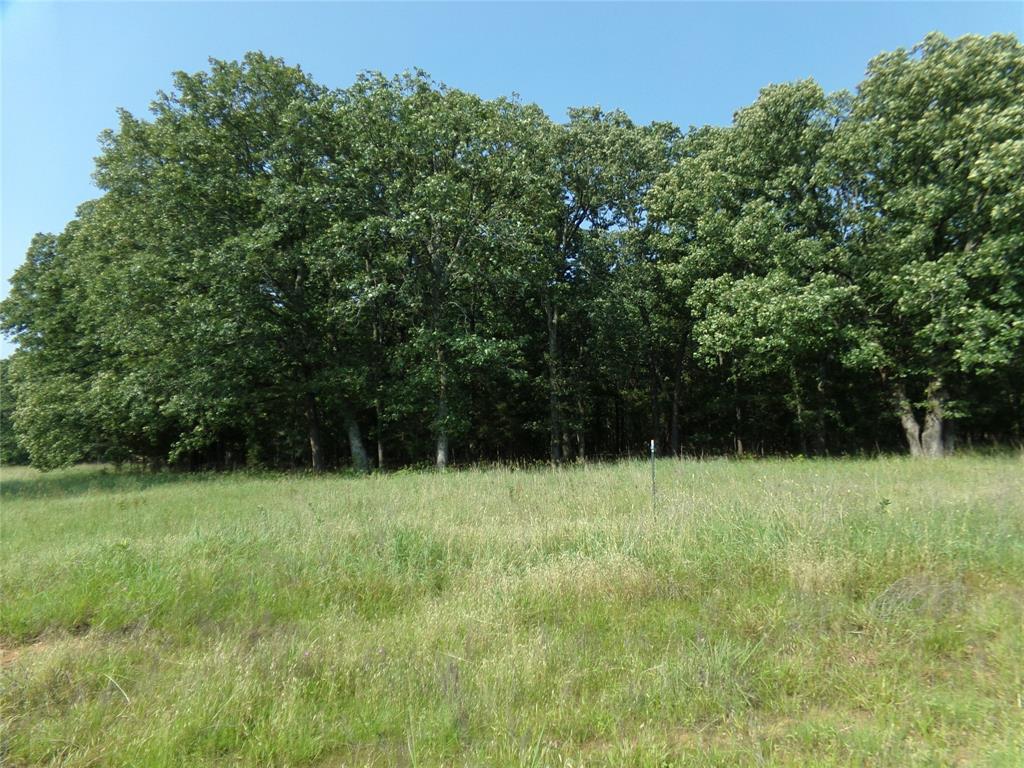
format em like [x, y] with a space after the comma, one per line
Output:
[281, 274]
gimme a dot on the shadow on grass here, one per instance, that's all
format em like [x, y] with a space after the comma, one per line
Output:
[77, 481]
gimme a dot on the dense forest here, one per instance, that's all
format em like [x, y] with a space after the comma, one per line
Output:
[280, 274]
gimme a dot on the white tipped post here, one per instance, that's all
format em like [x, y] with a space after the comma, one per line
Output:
[654, 509]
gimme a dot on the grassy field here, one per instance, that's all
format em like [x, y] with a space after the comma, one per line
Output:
[841, 612]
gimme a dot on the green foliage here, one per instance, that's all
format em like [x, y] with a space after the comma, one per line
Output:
[276, 270]
[924, 165]
[11, 450]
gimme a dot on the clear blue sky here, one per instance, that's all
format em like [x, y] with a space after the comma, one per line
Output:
[67, 66]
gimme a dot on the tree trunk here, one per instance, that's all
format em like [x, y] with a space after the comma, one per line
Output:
[911, 429]
[437, 289]
[675, 434]
[738, 417]
[1016, 402]
[821, 404]
[617, 417]
[931, 436]
[313, 428]
[581, 431]
[360, 461]
[555, 417]
[926, 440]
[441, 460]
[378, 368]
[653, 391]
[949, 437]
[677, 389]
[380, 436]
[802, 432]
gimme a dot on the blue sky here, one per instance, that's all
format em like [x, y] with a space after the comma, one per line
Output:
[66, 67]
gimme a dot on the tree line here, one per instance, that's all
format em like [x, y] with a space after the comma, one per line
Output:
[282, 274]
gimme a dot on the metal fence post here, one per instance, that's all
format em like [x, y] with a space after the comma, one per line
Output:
[654, 508]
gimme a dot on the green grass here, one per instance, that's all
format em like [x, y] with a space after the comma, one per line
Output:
[770, 612]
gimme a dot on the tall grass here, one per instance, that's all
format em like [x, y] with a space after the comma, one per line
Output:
[841, 612]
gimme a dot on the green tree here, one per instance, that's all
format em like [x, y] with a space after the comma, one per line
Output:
[49, 374]
[273, 267]
[453, 177]
[232, 200]
[601, 166]
[752, 239]
[928, 168]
